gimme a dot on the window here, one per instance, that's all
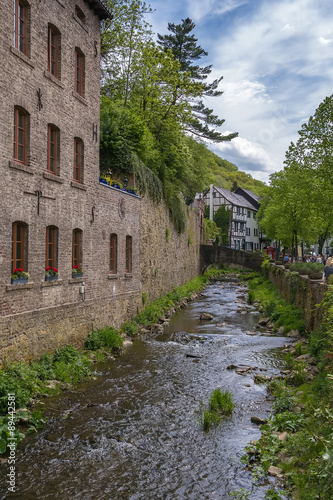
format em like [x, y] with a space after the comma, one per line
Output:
[21, 26]
[54, 52]
[128, 254]
[53, 150]
[19, 246]
[51, 259]
[79, 72]
[21, 120]
[77, 248]
[248, 231]
[249, 214]
[78, 160]
[113, 254]
[79, 13]
[236, 226]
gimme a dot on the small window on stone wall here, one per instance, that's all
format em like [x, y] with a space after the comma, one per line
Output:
[20, 246]
[113, 254]
[79, 83]
[79, 13]
[21, 135]
[77, 249]
[51, 260]
[128, 254]
[53, 150]
[54, 51]
[22, 26]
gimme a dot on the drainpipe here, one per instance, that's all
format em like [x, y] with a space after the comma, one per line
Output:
[231, 216]
[211, 204]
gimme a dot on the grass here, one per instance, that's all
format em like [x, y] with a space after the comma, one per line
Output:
[219, 404]
[274, 306]
[304, 409]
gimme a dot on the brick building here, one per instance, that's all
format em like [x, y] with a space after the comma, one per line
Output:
[54, 211]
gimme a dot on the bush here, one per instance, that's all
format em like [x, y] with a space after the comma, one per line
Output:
[130, 328]
[307, 267]
[108, 338]
[65, 354]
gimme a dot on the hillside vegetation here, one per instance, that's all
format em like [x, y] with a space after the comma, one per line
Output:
[154, 122]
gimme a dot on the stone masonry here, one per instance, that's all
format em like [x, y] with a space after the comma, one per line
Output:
[39, 316]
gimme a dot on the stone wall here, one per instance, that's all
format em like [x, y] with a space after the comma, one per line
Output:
[39, 316]
[306, 294]
[211, 254]
[168, 259]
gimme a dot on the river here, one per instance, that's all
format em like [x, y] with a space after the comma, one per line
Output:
[133, 433]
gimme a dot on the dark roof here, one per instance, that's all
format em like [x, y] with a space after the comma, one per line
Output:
[99, 8]
[236, 199]
[250, 196]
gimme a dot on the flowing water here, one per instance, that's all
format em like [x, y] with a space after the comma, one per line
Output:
[133, 433]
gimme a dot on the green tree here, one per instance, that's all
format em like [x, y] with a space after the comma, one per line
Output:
[313, 154]
[122, 42]
[222, 221]
[183, 45]
[285, 212]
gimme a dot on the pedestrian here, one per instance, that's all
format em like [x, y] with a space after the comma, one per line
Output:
[328, 270]
[329, 261]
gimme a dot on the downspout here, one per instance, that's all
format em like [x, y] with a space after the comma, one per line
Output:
[232, 211]
[211, 204]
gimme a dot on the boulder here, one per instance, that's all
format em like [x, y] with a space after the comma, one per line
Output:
[206, 316]
[258, 420]
[293, 333]
[274, 471]
[263, 321]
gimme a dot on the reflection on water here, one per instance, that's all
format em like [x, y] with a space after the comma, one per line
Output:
[134, 433]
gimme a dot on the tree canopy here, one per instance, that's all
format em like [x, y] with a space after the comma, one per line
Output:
[299, 200]
[150, 99]
[183, 45]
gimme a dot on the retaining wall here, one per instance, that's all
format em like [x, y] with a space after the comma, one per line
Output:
[306, 294]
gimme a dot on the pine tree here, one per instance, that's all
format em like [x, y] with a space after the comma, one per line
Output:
[183, 45]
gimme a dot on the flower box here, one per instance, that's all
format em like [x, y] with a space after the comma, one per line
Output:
[18, 281]
[53, 277]
[77, 275]
[315, 276]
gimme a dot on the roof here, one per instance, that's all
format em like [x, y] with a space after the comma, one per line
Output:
[236, 199]
[250, 196]
[251, 193]
[99, 8]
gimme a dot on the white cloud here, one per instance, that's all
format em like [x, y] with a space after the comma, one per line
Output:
[325, 41]
[275, 57]
[201, 9]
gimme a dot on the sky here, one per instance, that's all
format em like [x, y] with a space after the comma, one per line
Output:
[275, 57]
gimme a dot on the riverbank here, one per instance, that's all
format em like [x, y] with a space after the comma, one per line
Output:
[296, 444]
[24, 386]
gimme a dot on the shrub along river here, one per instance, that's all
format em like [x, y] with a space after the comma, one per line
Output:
[134, 432]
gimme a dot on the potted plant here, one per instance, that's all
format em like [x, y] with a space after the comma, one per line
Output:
[117, 185]
[76, 272]
[19, 276]
[51, 274]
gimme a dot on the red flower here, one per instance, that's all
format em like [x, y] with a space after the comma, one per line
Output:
[54, 269]
[20, 269]
[48, 268]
